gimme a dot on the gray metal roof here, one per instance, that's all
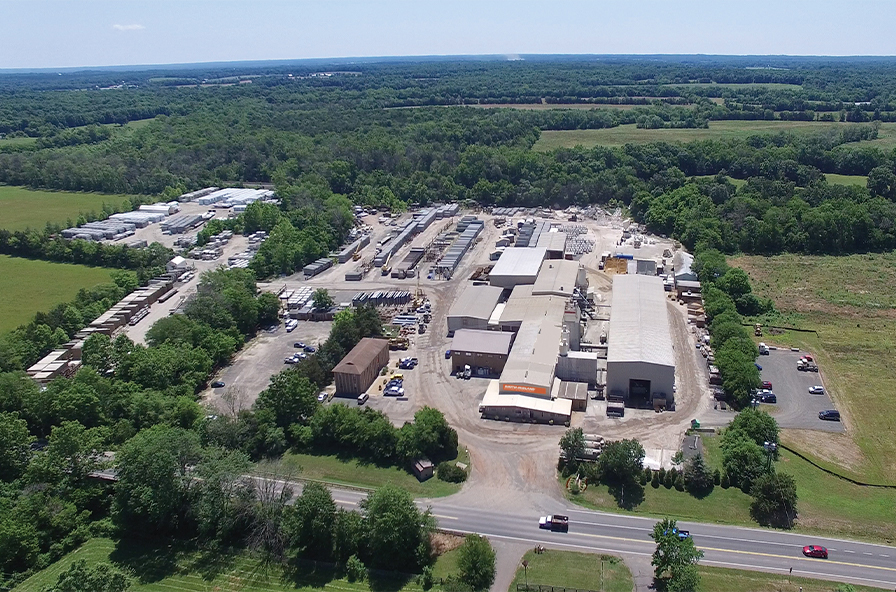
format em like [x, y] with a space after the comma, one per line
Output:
[482, 342]
[557, 276]
[639, 322]
[476, 302]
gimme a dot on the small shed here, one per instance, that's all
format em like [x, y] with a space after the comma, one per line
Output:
[176, 264]
[423, 469]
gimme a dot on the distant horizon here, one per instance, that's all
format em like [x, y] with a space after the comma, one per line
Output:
[337, 60]
[64, 34]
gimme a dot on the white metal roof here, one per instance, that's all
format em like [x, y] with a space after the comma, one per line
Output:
[552, 241]
[639, 322]
[493, 398]
[517, 265]
[476, 302]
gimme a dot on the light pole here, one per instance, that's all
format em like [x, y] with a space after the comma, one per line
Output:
[770, 449]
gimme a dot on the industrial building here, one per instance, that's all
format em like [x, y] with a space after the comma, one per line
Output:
[517, 266]
[474, 308]
[360, 367]
[558, 277]
[484, 351]
[640, 360]
[554, 244]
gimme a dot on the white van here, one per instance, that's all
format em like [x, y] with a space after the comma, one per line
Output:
[362, 398]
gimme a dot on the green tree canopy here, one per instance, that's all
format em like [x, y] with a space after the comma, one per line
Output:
[476, 562]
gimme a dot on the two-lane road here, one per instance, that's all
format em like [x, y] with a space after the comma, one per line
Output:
[723, 546]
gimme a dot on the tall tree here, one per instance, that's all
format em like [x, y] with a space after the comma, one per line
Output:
[310, 522]
[674, 557]
[14, 442]
[397, 532]
[774, 499]
[476, 562]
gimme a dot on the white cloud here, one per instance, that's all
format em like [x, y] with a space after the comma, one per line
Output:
[128, 27]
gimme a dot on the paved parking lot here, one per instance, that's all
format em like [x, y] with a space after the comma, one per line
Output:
[796, 408]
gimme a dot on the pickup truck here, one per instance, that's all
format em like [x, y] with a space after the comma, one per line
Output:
[554, 522]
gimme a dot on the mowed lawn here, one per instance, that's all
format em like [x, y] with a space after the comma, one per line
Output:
[336, 470]
[717, 130]
[720, 579]
[568, 569]
[164, 567]
[851, 302]
[22, 208]
[31, 286]
[827, 505]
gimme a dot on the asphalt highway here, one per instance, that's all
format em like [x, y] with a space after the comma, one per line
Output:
[723, 546]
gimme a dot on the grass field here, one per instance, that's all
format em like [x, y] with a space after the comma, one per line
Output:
[774, 85]
[720, 579]
[718, 130]
[333, 469]
[167, 568]
[31, 286]
[26, 208]
[860, 180]
[568, 569]
[851, 304]
[17, 141]
[827, 505]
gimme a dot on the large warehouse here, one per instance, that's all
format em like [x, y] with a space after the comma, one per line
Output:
[516, 266]
[640, 360]
[360, 367]
[473, 308]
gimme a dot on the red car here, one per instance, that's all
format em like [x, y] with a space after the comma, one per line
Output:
[767, 385]
[815, 551]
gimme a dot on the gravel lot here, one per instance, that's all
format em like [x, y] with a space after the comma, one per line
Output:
[796, 408]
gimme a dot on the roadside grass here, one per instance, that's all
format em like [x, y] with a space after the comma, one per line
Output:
[827, 505]
[28, 208]
[162, 566]
[568, 569]
[860, 180]
[851, 304]
[718, 130]
[30, 286]
[333, 469]
[722, 579]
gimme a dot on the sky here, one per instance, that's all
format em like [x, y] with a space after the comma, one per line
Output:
[74, 33]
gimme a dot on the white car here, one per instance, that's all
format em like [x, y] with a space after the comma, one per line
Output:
[321, 397]
[816, 390]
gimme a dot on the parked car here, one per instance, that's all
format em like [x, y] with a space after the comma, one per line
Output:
[816, 390]
[362, 398]
[758, 367]
[218, 384]
[321, 397]
[829, 415]
[769, 398]
[815, 551]
[290, 360]
[290, 328]
[766, 384]
[395, 391]
[298, 344]
[310, 349]
[448, 354]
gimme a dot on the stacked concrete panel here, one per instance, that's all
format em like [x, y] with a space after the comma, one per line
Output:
[322, 264]
[347, 253]
[453, 255]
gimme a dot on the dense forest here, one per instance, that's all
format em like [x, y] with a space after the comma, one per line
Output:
[321, 136]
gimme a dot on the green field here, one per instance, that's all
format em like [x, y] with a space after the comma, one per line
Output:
[333, 469]
[27, 208]
[568, 569]
[17, 141]
[720, 579]
[165, 567]
[851, 303]
[549, 106]
[827, 505]
[860, 180]
[31, 286]
[774, 85]
[718, 130]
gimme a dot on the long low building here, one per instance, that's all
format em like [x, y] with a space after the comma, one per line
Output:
[517, 266]
[640, 359]
[473, 308]
[504, 407]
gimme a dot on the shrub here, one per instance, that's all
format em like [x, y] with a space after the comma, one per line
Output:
[450, 472]
[668, 481]
[679, 482]
[645, 476]
[717, 477]
[726, 482]
[655, 480]
[662, 474]
[426, 578]
[355, 569]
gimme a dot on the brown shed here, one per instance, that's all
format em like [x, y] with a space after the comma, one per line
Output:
[360, 367]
